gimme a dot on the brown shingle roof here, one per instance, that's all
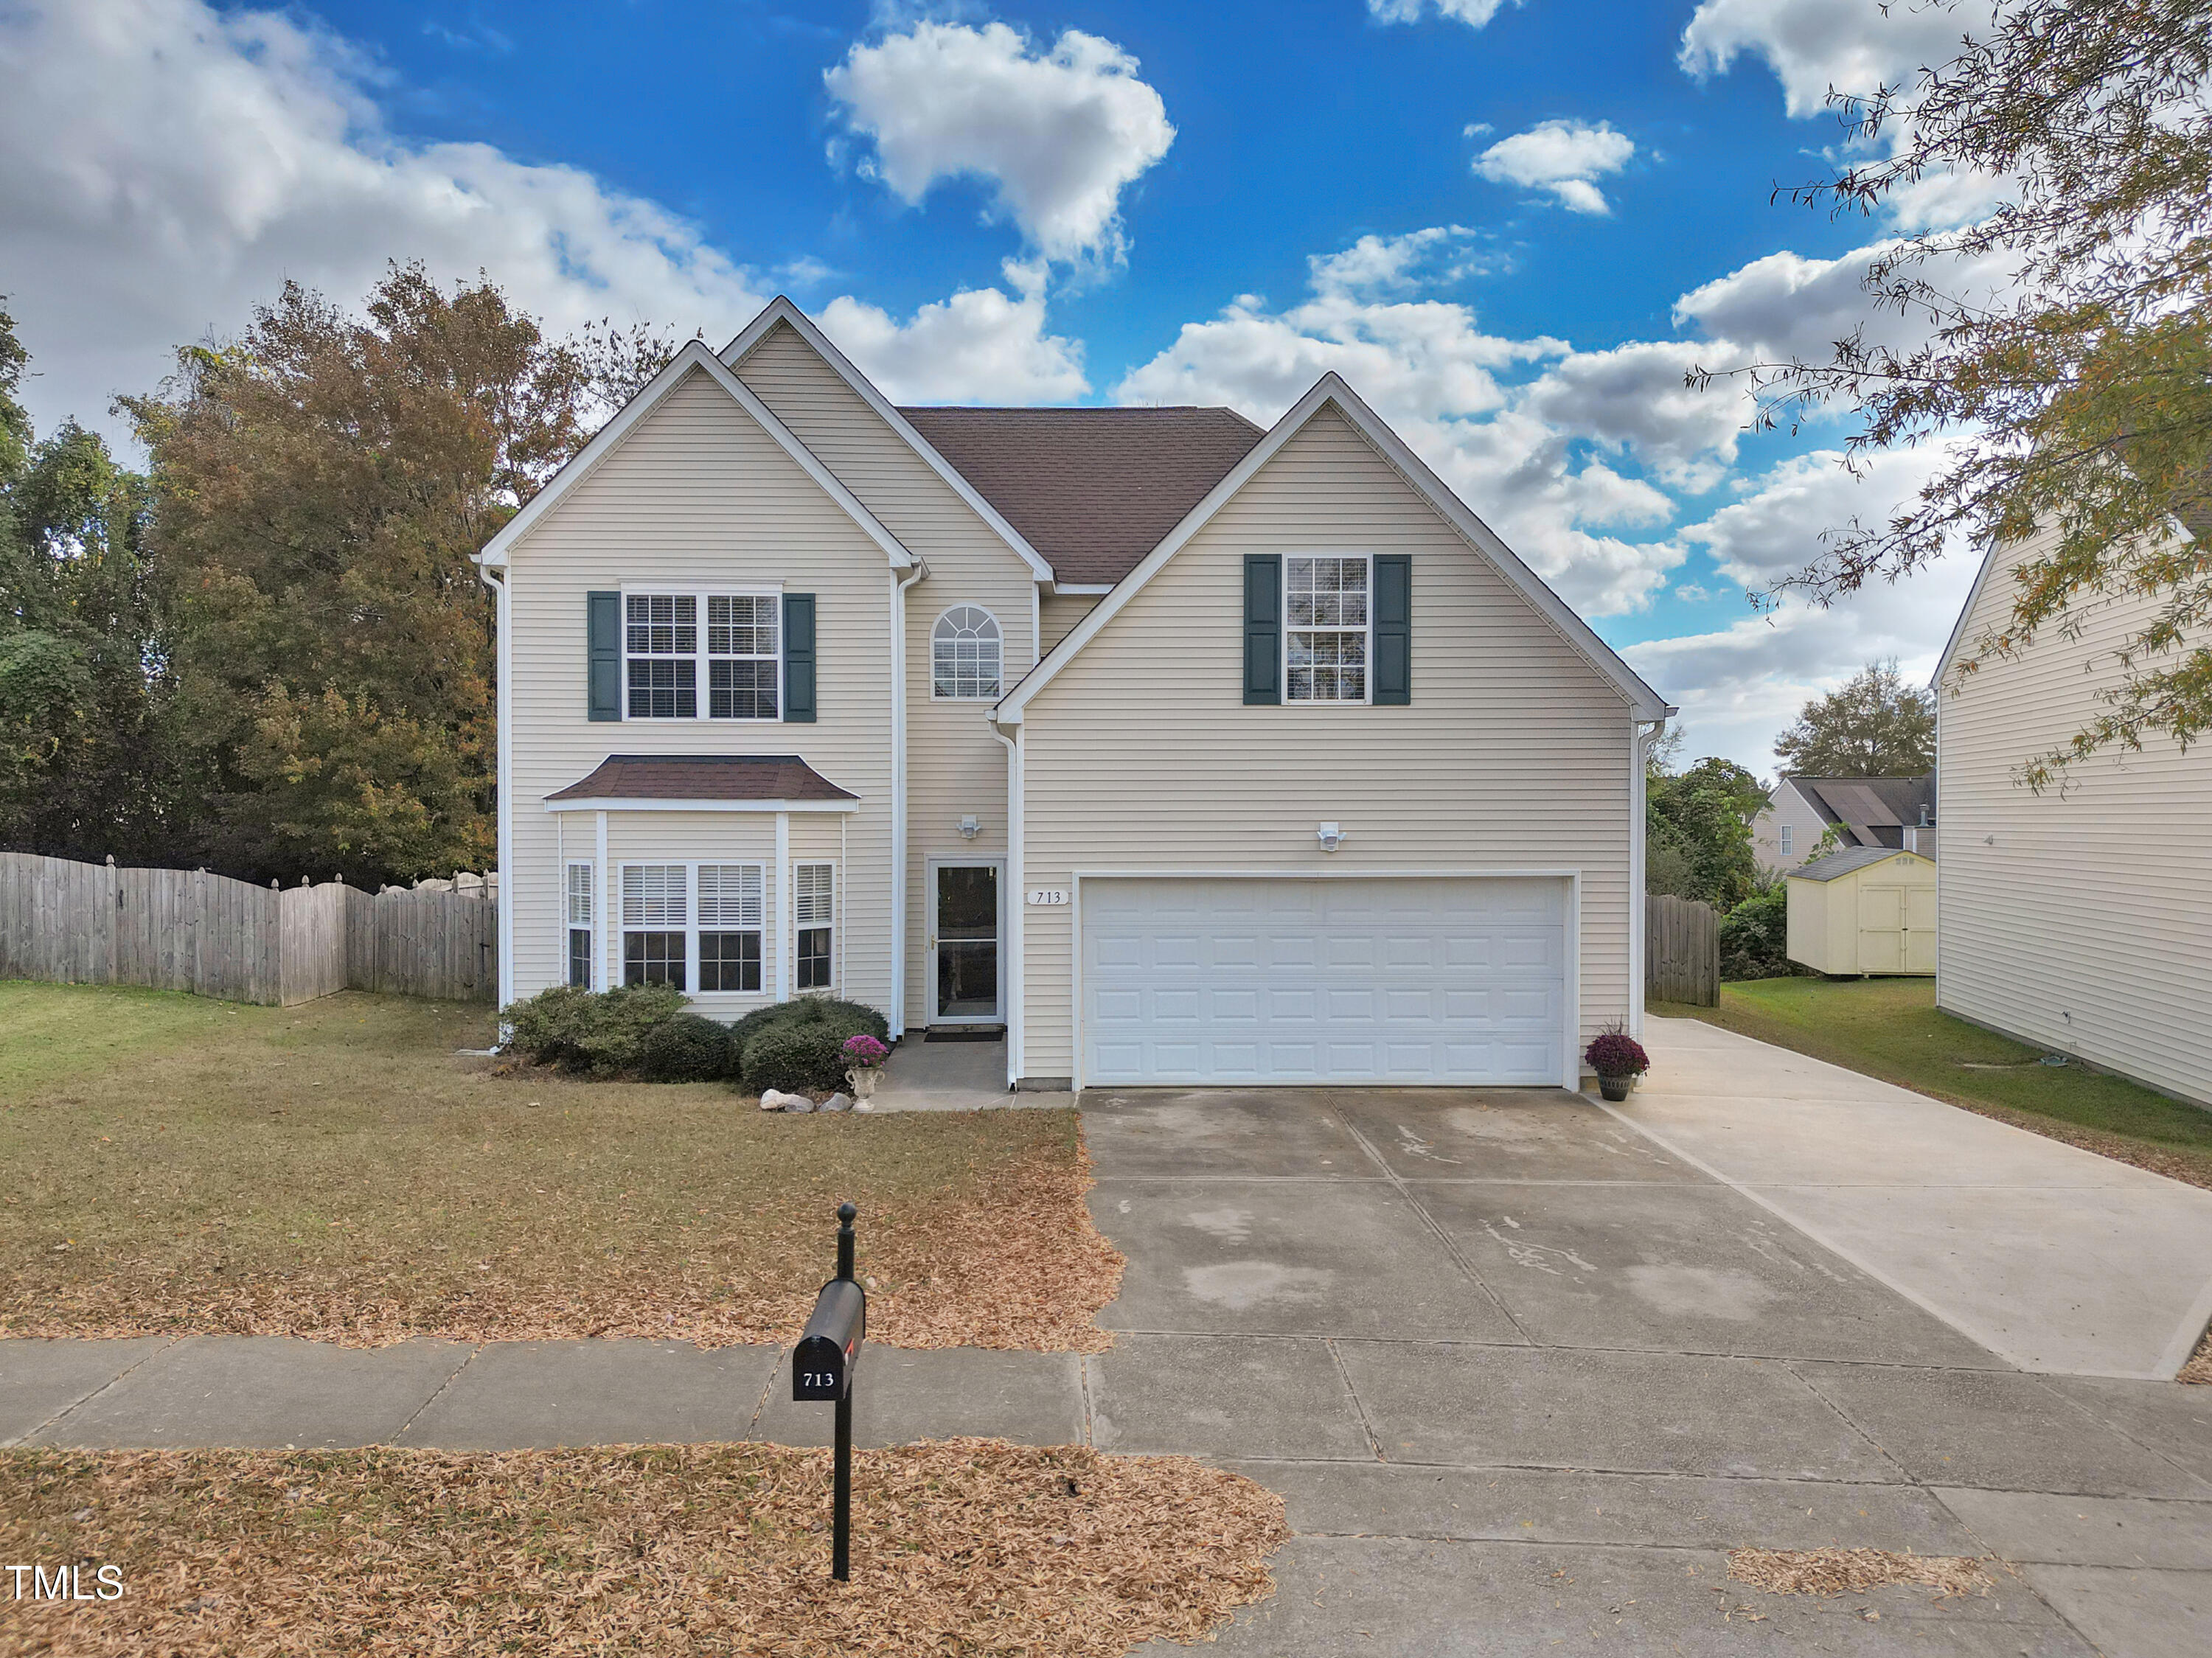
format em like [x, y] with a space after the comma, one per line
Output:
[703, 777]
[1091, 489]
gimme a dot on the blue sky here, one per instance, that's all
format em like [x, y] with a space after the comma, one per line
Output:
[1511, 226]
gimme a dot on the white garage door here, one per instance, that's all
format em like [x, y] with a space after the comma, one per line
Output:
[1231, 980]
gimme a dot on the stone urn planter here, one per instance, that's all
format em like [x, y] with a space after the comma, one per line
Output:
[1619, 1059]
[863, 1080]
[864, 1065]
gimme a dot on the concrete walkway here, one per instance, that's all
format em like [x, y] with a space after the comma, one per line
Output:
[952, 1076]
[2053, 1258]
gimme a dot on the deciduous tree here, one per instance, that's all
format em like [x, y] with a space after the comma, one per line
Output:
[1877, 726]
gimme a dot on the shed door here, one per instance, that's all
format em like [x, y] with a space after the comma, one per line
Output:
[1920, 929]
[1247, 980]
[1881, 929]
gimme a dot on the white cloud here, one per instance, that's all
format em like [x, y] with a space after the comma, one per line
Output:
[1565, 157]
[1852, 46]
[1428, 368]
[1060, 133]
[164, 166]
[1473, 12]
[1633, 398]
[1375, 265]
[982, 345]
[1740, 685]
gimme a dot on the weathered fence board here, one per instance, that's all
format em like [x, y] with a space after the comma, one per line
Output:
[176, 929]
[1681, 951]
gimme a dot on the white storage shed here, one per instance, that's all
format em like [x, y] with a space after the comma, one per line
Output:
[1867, 910]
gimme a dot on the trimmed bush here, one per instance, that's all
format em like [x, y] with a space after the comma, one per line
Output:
[603, 1035]
[687, 1048]
[1754, 937]
[811, 1016]
[798, 1059]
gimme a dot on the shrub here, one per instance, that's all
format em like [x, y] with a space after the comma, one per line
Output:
[820, 1015]
[603, 1035]
[1754, 937]
[686, 1050]
[1614, 1053]
[798, 1059]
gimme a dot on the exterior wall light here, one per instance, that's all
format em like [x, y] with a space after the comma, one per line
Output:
[1331, 836]
[970, 828]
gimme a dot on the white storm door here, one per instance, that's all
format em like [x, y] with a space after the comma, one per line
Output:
[1227, 980]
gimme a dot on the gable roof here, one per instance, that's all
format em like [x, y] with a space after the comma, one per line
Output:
[782, 310]
[1093, 490]
[1330, 391]
[1850, 858]
[1859, 805]
[694, 357]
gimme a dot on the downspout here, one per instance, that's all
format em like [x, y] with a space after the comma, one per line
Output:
[1639, 756]
[901, 580]
[1017, 906]
[501, 704]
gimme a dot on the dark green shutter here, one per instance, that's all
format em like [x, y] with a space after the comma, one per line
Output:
[799, 657]
[1263, 628]
[1393, 629]
[603, 665]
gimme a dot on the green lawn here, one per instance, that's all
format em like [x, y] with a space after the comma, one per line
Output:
[1890, 1029]
[337, 1170]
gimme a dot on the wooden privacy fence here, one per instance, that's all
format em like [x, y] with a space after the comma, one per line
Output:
[176, 929]
[1681, 951]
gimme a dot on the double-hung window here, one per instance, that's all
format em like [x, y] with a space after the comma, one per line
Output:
[730, 926]
[964, 652]
[1787, 833]
[576, 901]
[814, 910]
[1325, 627]
[664, 646]
[656, 915]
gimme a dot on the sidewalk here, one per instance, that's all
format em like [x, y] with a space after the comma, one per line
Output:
[957, 1076]
[274, 1392]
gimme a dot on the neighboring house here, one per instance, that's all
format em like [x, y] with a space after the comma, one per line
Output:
[1867, 910]
[1188, 753]
[2076, 919]
[1864, 811]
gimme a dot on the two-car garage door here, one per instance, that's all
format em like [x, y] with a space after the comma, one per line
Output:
[1224, 980]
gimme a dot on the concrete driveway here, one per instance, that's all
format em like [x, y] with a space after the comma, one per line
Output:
[1525, 1376]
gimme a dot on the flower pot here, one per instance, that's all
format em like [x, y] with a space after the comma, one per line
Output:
[1615, 1087]
[863, 1080]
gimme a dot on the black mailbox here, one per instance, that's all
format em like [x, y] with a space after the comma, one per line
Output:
[823, 1364]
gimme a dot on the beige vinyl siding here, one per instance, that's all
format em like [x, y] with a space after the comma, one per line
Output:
[955, 768]
[1806, 824]
[1062, 611]
[1140, 754]
[697, 497]
[2076, 919]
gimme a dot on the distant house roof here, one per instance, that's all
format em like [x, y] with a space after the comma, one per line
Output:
[703, 777]
[1863, 807]
[1842, 863]
[1092, 490]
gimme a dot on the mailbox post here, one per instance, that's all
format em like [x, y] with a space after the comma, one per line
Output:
[822, 1367]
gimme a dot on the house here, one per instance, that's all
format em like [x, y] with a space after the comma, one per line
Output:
[1185, 752]
[1863, 812]
[1865, 910]
[2075, 919]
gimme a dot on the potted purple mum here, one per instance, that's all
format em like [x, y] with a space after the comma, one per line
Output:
[864, 1063]
[1619, 1059]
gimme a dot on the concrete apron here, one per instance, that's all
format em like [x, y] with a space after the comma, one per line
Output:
[955, 1076]
[2053, 1258]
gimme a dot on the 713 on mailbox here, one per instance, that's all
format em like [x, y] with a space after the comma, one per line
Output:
[822, 1367]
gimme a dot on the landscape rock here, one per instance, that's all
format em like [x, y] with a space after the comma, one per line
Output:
[775, 1099]
[838, 1103]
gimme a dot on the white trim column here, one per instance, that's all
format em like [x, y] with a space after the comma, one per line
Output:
[786, 938]
[610, 917]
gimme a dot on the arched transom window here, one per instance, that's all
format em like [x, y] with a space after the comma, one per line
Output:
[963, 653]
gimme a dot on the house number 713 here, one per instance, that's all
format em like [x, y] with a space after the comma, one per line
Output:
[1048, 894]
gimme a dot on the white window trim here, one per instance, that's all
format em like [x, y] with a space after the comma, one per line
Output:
[1784, 835]
[1283, 599]
[568, 925]
[618, 934]
[999, 688]
[699, 659]
[801, 923]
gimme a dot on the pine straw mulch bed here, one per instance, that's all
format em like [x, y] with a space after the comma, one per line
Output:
[1853, 1571]
[968, 1545]
[2198, 1371]
[1022, 1268]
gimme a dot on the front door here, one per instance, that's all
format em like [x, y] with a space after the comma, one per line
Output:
[964, 915]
